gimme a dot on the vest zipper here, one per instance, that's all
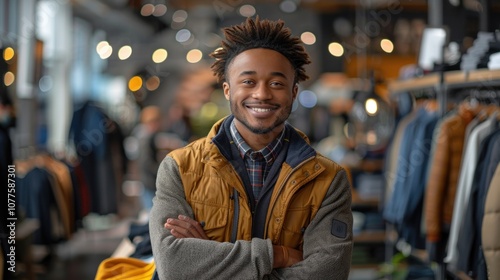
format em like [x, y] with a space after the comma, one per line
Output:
[236, 214]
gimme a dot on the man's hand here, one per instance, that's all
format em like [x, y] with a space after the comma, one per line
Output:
[185, 227]
[285, 256]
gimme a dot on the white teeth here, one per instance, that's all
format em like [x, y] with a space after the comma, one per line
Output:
[261, 110]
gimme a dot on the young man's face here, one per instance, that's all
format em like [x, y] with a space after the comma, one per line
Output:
[260, 88]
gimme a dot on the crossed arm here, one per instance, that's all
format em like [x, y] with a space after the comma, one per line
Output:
[185, 227]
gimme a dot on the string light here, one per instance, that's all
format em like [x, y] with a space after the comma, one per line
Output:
[159, 55]
[336, 49]
[135, 83]
[8, 53]
[124, 52]
[194, 56]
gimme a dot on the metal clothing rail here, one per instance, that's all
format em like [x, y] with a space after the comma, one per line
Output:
[452, 80]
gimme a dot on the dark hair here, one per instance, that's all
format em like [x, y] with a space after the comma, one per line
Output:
[258, 33]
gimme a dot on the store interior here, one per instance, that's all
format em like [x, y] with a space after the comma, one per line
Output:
[404, 94]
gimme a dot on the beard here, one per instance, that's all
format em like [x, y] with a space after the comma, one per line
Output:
[261, 127]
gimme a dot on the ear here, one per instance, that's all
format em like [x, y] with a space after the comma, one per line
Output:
[225, 87]
[295, 90]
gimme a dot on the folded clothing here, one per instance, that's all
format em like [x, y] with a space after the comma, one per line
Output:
[125, 269]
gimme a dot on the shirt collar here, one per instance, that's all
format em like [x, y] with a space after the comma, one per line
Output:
[269, 152]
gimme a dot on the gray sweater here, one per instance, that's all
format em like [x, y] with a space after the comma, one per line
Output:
[188, 258]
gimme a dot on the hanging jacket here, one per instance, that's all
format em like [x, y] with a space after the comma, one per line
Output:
[444, 174]
[309, 210]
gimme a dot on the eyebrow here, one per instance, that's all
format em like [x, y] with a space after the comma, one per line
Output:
[279, 74]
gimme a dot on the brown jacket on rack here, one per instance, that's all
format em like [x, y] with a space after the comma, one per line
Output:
[491, 227]
[444, 171]
[62, 188]
[63, 179]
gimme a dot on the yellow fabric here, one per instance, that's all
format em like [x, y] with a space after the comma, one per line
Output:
[125, 269]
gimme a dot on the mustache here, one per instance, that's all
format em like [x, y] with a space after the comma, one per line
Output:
[260, 103]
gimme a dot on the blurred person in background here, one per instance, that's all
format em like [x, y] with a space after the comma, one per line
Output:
[195, 90]
[154, 144]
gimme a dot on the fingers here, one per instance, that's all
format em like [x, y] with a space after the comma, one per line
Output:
[185, 227]
[178, 233]
[285, 256]
[294, 256]
[180, 228]
[194, 225]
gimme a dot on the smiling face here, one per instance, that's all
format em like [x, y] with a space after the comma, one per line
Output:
[260, 88]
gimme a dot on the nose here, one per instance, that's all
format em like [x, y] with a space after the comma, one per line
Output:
[262, 92]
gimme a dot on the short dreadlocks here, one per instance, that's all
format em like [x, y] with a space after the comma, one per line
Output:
[258, 33]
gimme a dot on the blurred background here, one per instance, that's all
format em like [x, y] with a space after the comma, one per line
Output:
[95, 92]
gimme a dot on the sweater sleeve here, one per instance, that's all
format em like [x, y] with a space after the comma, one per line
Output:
[190, 258]
[328, 238]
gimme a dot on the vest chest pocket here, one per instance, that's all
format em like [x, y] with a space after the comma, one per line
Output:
[296, 221]
[215, 218]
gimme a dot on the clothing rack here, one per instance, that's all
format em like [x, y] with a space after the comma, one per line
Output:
[481, 86]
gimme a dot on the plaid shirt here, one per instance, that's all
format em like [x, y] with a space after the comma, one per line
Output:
[258, 163]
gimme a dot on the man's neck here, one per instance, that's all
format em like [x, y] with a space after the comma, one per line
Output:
[258, 141]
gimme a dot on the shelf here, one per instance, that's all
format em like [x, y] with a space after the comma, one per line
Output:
[452, 79]
[427, 81]
[369, 165]
[370, 236]
[359, 203]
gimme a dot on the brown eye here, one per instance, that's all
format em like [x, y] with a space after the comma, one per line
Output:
[277, 84]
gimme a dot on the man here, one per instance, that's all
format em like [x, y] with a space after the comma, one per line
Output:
[147, 160]
[253, 200]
